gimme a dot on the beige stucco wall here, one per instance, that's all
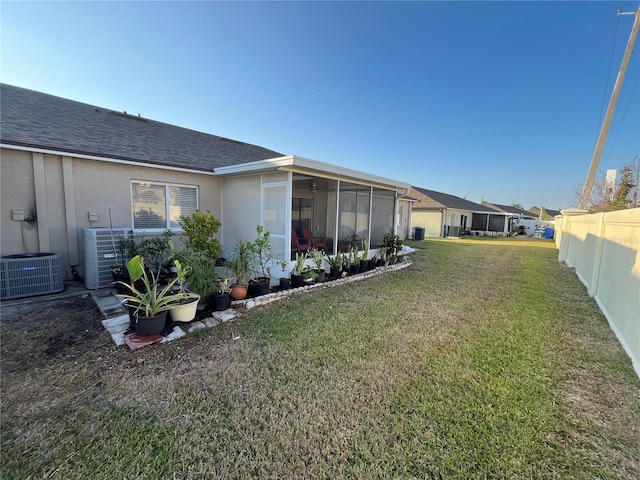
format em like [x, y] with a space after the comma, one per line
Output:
[17, 193]
[91, 186]
[431, 220]
[241, 203]
[604, 248]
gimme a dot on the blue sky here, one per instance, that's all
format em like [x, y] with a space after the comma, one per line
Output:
[501, 101]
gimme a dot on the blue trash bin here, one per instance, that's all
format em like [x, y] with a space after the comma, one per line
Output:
[548, 232]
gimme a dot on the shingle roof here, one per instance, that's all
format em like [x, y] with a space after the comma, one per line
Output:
[535, 211]
[38, 120]
[509, 209]
[433, 199]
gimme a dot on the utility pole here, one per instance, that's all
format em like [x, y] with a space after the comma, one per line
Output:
[585, 198]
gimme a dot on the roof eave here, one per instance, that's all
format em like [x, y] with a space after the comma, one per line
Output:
[301, 164]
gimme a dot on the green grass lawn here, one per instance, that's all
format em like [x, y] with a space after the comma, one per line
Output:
[484, 359]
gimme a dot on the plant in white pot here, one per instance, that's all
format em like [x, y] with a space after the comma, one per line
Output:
[152, 304]
[184, 309]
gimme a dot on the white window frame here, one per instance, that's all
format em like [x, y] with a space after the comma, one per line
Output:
[167, 206]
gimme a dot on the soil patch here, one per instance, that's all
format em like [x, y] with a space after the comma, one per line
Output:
[60, 328]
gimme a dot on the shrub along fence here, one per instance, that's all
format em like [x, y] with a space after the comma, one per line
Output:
[603, 248]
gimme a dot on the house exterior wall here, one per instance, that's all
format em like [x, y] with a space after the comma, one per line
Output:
[241, 203]
[63, 190]
[431, 220]
[17, 193]
[404, 222]
[452, 218]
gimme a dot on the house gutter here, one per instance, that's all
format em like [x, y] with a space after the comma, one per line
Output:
[103, 159]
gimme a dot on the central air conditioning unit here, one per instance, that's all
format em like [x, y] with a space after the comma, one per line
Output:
[454, 231]
[29, 274]
[98, 251]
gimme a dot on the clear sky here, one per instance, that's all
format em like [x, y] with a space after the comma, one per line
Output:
[501, 101]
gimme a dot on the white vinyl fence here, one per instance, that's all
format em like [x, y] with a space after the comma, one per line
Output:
[603, 248]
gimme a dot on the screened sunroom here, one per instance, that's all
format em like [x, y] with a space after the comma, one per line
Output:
[305, 204]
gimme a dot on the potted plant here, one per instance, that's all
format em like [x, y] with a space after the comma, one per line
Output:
[261, 260]
[392, 246]
[185, 307]
[285, 282]
[310, 274]
[199, 233]
[335, 265]
[297, 274]
[156, 250]
[364, 258]
[152, 303]
[354, 261]
[240, 266]
[317, 257]
[221, 299]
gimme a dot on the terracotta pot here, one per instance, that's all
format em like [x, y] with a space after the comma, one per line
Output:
[238, 292]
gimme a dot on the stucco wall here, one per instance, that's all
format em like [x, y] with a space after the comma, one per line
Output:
[241, 202]
[91, 186]
[431, 220]
[17, 193]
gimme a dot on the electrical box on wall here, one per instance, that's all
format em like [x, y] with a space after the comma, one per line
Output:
[93, 216]
[17, 215]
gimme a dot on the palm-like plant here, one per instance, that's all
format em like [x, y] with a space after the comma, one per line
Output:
[156, 298]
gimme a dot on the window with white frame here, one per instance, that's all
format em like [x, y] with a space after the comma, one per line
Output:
[157, 206]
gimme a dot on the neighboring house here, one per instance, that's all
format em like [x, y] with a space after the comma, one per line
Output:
[546, 214]
[519, 221]
[65, 165]
[442, 215]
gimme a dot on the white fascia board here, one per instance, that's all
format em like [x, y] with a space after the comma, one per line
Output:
[492, 212]
[103, 159]
[294, 163]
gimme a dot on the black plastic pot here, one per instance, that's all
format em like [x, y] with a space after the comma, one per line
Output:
[354, 269]
[364, 266]
[297, 281]
[321, 274]
[259, 286]
[151, 325]
[334, 273]
[221, 301]
[285, 283]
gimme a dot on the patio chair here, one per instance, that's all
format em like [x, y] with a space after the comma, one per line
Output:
[316, 242]
[297, 246]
